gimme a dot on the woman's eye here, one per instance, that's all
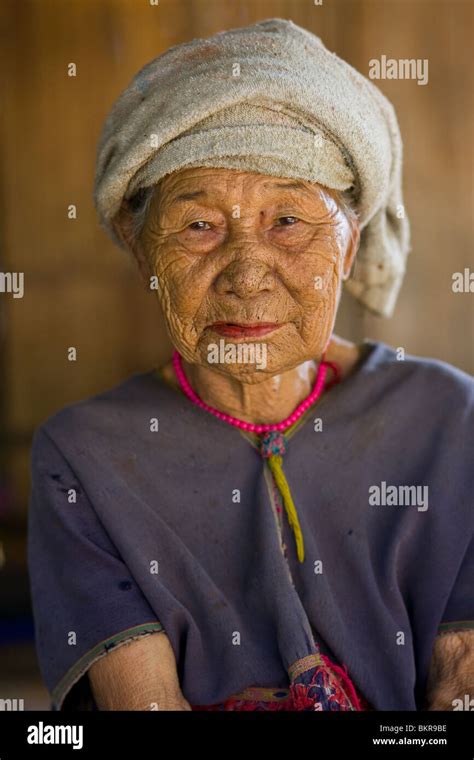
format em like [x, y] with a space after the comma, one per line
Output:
[198, 225]
[287, 221]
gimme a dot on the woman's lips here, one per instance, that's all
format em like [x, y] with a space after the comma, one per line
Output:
[254, 330]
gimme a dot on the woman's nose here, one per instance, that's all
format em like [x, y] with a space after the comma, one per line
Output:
[245, 278]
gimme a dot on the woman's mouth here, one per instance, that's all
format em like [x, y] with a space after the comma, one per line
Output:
[240, 330]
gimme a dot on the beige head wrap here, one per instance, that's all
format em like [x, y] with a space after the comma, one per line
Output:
[267, 98]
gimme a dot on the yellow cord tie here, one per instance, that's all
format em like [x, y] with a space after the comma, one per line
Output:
[273, 447]
[275, 463]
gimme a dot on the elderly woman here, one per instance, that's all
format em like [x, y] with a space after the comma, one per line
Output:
[276, 519]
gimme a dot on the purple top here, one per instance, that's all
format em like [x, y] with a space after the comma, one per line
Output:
[181, 529]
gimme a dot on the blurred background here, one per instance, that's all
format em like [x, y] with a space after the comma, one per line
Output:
[82, 291]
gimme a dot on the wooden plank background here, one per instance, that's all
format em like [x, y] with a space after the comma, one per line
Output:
[82, 291]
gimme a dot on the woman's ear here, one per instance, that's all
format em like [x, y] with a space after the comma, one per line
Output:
[123, 225]
[352, 246]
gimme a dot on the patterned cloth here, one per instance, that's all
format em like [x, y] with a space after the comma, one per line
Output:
[307, 693]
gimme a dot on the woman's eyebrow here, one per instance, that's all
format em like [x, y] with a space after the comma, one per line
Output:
[187, 196]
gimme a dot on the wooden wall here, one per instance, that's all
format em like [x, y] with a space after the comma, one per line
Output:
[82, 291]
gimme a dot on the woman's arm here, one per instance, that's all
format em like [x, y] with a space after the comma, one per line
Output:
[451, 675]
[139, 675]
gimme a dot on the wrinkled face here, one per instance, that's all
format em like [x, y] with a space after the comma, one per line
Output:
[248, 265]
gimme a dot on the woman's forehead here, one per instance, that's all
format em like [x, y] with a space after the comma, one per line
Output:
[204, 183]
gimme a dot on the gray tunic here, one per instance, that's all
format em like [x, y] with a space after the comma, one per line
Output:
[148, 514]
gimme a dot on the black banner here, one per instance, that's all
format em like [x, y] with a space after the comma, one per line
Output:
[377, 734]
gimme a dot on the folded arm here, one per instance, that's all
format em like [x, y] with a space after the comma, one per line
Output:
[138, 675]
[451, 674]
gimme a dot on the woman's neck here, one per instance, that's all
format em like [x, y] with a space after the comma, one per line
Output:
[268, 401]
[271, 400]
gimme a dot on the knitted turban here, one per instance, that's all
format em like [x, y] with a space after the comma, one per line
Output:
[266, 98]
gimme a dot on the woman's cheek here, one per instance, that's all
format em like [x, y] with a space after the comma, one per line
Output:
[312, 277]
[328, 269]
[182, 297]
[324, 282]
[170, 267]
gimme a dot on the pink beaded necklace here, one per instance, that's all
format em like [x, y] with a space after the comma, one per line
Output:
[316, 391]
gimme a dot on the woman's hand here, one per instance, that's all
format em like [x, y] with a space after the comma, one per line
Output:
[451, 675]
[138, 675]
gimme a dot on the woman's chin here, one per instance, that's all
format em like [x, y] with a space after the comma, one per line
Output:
[251, 362]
